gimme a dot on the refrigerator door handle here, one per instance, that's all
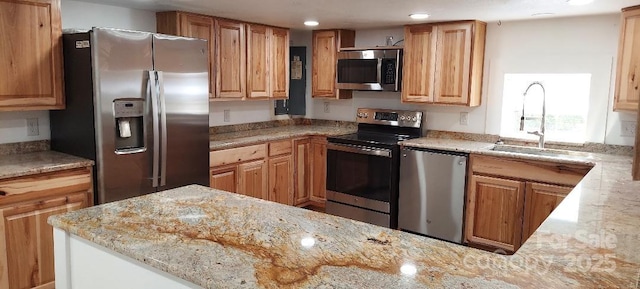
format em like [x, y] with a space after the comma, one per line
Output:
[156, 127]
[163, 135]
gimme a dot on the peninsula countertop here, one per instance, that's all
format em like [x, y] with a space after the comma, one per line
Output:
[217, 239]
[247, 137]
[18, 165]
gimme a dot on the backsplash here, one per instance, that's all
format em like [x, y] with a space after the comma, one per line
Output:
[24, 147]
[586, 147]
[279, 123]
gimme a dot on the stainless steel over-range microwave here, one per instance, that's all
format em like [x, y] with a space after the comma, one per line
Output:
[369, 69]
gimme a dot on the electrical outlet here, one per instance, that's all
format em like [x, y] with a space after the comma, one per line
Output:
[227, 116]
[32, 127]
[326, 107]
[628, 128]
[464, 118]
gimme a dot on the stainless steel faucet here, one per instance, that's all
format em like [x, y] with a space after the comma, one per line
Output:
[539, 133]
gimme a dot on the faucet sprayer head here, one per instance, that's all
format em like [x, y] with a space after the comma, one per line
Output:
[522, 123]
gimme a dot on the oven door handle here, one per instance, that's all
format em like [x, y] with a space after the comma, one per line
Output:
[360, 150]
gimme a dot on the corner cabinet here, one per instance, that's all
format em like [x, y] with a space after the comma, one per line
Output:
[627, 89]
[326, 44]
[247, 61]
[26, 240]
[443, 63]
[32, 75]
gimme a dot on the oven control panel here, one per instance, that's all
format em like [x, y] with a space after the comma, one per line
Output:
[403, 118]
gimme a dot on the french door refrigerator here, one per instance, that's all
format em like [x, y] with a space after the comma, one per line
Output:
[137, 104]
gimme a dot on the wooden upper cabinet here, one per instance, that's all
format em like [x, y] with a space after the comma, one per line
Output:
[627, 92]
[191, 25]
[541, 200]
[326, 44]
[230, 59]
[279, 63]
[494, 212]
[419, 63]
[258, 55]
[31, 55]
[443, 63]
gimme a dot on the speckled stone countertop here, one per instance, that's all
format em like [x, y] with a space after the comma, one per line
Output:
[39, 162]
[241, 138]
[217, 239]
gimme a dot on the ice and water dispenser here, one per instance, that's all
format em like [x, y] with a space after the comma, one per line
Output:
[129, 130]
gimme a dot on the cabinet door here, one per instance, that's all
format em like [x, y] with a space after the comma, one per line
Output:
[419, 63]
[230, 59]
[258, 54]
[198, 26]
[280, 63]
[319, 169]
[302, 176]
[541, 200]
[325, 48]
[31, 49]
[252, 179]
[27, 240]
[627, 92]
[224, 178]
[453, 58]
[280, 180]
[494, 212]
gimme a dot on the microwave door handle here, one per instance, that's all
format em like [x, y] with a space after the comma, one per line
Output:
[379, 70]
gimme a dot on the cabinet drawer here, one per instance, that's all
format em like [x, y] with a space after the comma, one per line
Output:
[237, 155]
[44, 185]
[546, 172]
[280, 148]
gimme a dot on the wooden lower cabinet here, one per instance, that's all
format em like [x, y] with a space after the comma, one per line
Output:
[224, 178]
[252, 179]
[26, 240]
[319, 170]
[541, 200]
[494, 212]
[280, 180]
[302, 176]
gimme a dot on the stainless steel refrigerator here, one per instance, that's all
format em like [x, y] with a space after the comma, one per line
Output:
[137, 104]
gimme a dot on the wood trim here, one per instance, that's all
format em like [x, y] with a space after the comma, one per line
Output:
[635, 170]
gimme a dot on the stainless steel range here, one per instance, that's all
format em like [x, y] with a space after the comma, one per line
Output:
[363, 168]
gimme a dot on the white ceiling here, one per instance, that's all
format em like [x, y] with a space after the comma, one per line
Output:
[362, 14]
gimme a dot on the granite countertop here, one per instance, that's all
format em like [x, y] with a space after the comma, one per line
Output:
[241, 138]
[217, 239]
[39, 162]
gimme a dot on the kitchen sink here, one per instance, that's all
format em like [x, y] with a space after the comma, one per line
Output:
[540, 151]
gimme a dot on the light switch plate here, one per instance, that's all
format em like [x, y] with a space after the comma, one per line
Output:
[227, 115]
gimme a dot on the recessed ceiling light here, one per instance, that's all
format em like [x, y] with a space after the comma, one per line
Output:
[311, 23]
[542, 14]
[419, 16]
[579, 2]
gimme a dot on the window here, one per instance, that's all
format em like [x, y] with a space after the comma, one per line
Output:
[567, 105]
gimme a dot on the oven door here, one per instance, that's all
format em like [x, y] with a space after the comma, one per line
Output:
[360, 176]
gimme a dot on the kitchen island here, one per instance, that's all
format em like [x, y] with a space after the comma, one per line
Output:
[201, 237]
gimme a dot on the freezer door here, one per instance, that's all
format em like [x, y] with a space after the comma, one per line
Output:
[121, 61]
[431, 196]
[183, 80]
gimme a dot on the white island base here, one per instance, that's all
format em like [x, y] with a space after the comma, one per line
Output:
[80, 264]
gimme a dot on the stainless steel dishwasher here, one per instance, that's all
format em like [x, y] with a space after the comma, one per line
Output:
[431, 195]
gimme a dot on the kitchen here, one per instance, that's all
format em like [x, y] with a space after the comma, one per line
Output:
[507, 51]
